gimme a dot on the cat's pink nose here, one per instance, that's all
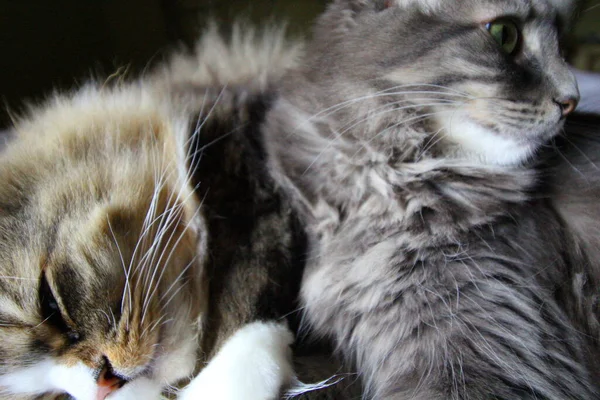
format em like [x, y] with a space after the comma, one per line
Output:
[107, 383]
[567, 105]
[104, 391]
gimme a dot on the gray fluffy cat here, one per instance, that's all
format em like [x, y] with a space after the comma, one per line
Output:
[411, 137]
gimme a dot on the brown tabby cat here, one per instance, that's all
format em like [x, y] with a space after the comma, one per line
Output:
[136, 244]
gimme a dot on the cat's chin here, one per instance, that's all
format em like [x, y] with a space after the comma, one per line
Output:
[469, 140]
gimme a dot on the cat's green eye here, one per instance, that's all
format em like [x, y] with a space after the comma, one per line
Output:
[506, 34]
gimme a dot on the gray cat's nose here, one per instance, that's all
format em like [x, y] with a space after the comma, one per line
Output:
[567, 104]
[563, 86]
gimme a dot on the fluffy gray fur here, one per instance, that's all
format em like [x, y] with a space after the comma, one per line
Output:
[411, 143]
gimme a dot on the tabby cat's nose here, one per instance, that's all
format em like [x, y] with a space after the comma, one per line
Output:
[108, 382]
[567, 104]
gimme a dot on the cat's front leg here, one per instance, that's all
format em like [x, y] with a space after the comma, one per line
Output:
[254, 364]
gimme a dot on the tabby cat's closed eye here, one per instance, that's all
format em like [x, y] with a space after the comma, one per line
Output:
[51, 312]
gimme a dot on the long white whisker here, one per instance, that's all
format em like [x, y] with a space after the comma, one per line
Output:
[150, 214]
[389, 92]
[174, 247]
[105, 314]
[581, 152]
[167, 219]
[127, 288]
[143, 262]
[390, 107]
[432, 141]
[413, 119]
[340, 134]
[173, 295]
[175, 281]
[17, 278]
[166, 223]
[199, 127]
[159, 262]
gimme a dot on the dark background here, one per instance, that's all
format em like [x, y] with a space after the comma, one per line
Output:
[48, 44]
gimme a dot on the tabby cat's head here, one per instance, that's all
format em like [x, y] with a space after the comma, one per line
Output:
[100, 284]
[486, 76]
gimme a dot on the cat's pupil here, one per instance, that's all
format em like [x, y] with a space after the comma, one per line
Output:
[504, 35]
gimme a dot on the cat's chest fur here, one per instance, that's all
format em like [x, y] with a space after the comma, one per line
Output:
[429, 203]
[423, 234]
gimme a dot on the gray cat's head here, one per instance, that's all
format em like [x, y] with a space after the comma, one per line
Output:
[486, 76]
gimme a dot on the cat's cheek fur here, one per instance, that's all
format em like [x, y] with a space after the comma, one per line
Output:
[47, 377]
[479, 144]
[177, 364]
[254, 364]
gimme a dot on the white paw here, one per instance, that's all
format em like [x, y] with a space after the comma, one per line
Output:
[254, 364]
